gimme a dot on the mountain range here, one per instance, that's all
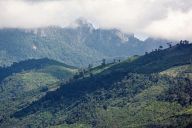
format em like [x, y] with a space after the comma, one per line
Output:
[78, 46]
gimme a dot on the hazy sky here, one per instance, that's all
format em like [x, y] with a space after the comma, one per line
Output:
[171, 19]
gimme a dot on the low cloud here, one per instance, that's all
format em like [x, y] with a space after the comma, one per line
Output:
[170, 19]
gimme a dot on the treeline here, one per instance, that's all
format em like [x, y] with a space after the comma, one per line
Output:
[159, 60]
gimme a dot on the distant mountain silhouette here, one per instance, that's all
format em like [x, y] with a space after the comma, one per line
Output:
[78, 45]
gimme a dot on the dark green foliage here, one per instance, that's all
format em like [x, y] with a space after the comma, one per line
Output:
[182, 93]
[84, 104]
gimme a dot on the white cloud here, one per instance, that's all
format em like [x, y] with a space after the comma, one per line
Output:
[162, 18]
[178, 25]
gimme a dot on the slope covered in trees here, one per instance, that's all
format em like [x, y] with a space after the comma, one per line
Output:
[149, 91]
[141, 92]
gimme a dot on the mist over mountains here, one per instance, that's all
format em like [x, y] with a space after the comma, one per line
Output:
[95, 64]
[79, 45]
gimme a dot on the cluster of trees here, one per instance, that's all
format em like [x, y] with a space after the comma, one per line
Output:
[88, 71]
[184, 42]
[180, 91]
[170, 45]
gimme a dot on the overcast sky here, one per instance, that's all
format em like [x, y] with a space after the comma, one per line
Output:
[171, 19]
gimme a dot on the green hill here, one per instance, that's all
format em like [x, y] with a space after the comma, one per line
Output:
[27, 81]
[159, 60]
[139, 92]
[32, 64]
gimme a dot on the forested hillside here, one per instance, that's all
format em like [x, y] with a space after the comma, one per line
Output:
[149, 91]
[27, 81]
